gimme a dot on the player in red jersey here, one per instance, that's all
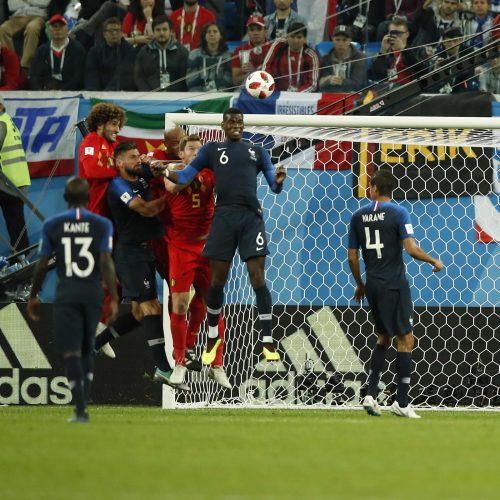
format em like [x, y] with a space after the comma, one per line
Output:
[96, 164]
[191, 211]
[170, 152]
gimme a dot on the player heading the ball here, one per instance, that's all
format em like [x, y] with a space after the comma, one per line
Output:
[237, 222]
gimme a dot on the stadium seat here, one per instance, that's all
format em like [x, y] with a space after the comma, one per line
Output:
[232, 45]
[230, 18]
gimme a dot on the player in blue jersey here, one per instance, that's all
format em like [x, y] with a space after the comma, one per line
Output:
[237, 222]
[382, 229]
[82, 244]
[135, 215]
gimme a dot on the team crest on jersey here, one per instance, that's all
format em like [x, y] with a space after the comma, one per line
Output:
[253, 156]
[147, 284]
[172, 282]
[88, 151]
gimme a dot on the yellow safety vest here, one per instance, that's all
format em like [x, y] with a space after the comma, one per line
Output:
[12, 156]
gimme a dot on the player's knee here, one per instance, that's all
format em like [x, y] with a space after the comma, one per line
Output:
[406, 342]
[137, 312]
[180, 305]
[384, 340]
[150, 307]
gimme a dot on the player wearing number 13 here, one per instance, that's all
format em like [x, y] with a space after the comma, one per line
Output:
[82, 243]
[382, 229]
[237, 222]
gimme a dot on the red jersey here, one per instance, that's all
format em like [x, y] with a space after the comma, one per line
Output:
[257, 54]
[132, 26]
[192, 209]
[97, 165]
[299, 71]
[187, 25]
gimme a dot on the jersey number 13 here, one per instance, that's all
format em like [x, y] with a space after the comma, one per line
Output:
[72, 268]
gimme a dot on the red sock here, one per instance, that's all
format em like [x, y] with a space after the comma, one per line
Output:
[178, 327]
[220, 350]
[197, 312]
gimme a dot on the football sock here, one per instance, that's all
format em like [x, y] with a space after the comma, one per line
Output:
[264, 307]
[88, 375]
[403, 371]
[377, 362]
[215, 297]
[123, 325]
[74, 374]
[220, 349]
[197, 312]
[153, 329]
[178, 327]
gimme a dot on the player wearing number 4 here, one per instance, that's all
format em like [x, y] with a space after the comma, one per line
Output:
[237, 222]
[82, 243]
[382, 229]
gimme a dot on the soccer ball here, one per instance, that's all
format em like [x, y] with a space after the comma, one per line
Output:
[260, 84]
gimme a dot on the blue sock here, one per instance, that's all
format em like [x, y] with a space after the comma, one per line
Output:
[123, 325]
[88, 375]
[215, 298]
[74, 374]
[264, 308]
[153, 330]
[403, 370]
[377, 362]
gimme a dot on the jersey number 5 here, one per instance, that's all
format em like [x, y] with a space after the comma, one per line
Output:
[376, 245]
[72, 267]
[195, 198]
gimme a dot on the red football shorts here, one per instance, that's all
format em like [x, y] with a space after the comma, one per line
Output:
[187, 266]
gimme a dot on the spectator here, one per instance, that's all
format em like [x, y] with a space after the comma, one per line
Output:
[60, 63]
[138, 23]
[343, 68]
[432, 20]
[13, 164]
[398, 8]
[278, 22]
[362, 18]
[489, 79]
[162, 63]
[189, 21]
[245, 9]
[250, 55]
[209, 67]
[92, 17]
[477, 30]
[396, 61]
[29, 17]
[293, 64]
[11, 77]
[110, 65]
[455, 49]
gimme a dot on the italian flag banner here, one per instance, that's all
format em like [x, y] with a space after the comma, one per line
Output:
[147, 130]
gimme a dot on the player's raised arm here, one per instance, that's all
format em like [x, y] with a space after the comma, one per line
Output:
[185, 175]
[417, 253]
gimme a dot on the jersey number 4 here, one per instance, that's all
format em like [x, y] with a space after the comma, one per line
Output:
[376, 245]
[83, 244]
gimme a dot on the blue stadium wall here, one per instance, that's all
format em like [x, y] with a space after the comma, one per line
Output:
[309, 253]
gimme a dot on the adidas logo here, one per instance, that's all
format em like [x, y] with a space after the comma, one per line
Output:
[324, 349]
[24, 359]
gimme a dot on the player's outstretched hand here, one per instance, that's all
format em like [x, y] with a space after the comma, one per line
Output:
[438, 265]
[280, 174]
[359, 293]
[33, 308]
[112, 312]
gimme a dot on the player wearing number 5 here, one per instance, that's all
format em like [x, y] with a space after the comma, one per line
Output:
[237, 222]
[382, 229]
[82, 243]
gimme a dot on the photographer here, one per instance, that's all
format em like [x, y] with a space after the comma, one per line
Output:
[396, 61]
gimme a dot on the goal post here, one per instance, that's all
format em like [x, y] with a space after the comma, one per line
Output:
[446, 170]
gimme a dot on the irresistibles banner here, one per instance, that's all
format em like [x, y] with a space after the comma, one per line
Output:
[47, 129]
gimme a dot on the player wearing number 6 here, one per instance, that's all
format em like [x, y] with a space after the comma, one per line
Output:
[237, 222]
[382, 229]
[82, 243]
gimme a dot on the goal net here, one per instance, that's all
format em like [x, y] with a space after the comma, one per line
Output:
[447, 179]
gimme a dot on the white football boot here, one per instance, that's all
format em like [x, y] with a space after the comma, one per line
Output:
[407, 412]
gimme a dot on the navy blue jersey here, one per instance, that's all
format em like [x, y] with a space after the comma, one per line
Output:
[236, 166]
[379, 229]
[131, 226]
[77, 237]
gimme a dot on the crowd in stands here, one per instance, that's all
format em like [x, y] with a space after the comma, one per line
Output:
[181, 45]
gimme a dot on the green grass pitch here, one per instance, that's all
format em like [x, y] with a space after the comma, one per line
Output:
[146, 453]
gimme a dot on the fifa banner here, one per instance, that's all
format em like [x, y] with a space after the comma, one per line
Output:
[430, 171]
[47, 129]
[325, 352]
